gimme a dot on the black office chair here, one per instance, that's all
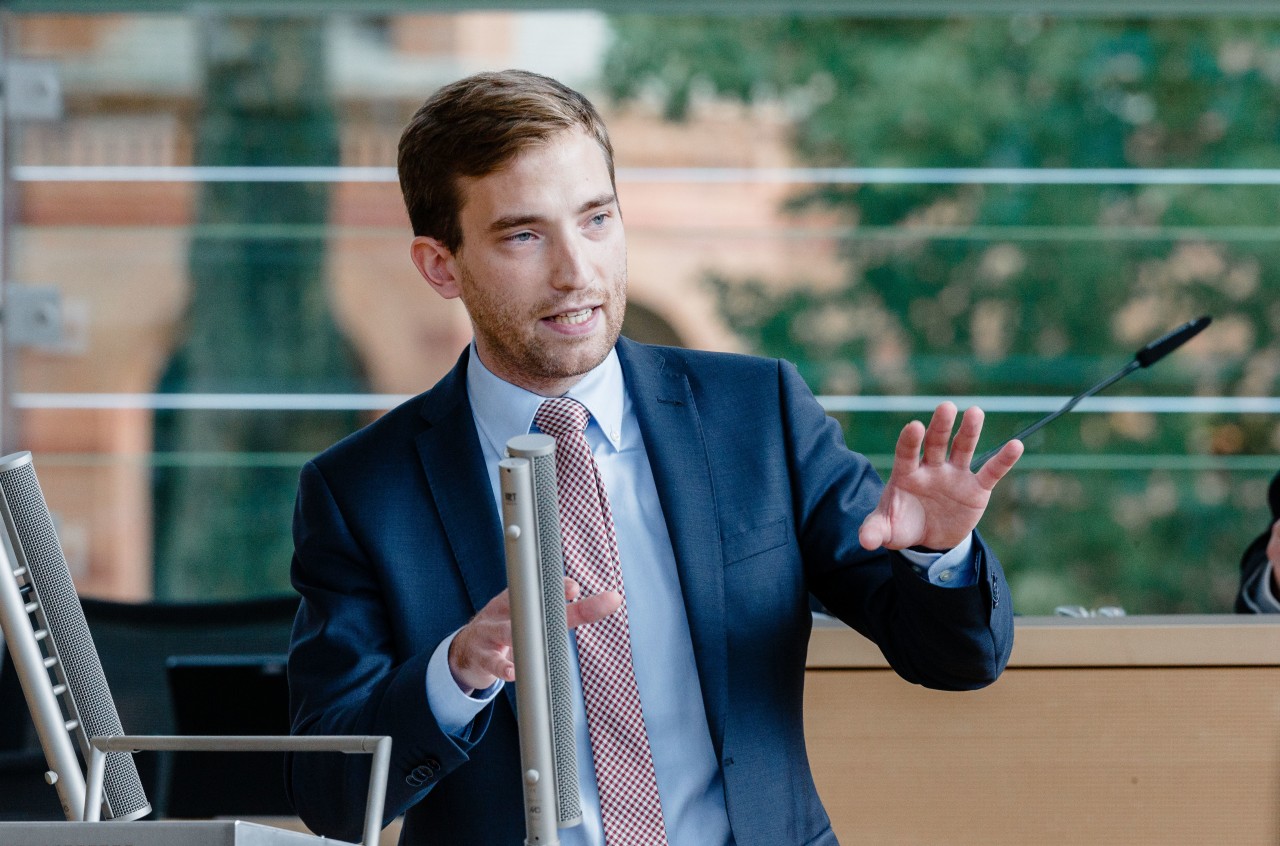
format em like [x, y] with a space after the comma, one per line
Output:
[24, 793]
[137, 643]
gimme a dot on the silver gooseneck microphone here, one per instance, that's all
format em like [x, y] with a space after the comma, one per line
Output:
[540, 638]
[1144, 357]
[53, 653]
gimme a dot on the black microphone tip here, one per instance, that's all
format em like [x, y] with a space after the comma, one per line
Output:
[1170, 341]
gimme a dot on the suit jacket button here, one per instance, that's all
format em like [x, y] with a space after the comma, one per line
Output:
[422, 773]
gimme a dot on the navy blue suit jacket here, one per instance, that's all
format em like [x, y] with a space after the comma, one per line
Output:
[398, 544]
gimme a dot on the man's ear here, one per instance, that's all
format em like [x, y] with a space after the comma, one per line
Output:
[437, 265]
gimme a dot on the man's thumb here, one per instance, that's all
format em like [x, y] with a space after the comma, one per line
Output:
[874, 531]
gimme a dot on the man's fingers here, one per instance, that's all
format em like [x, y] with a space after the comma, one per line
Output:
[497, 664]
[906, 455]
[938, 435]
[483, 647]
[966, 440]
[1000, 464]
[481, 651]
[572, 590]
[504, 669]
[487, 637]
[592, 609]
[491, 658]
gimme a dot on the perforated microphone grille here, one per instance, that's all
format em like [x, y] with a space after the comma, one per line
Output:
[86, 683]
[551, 556]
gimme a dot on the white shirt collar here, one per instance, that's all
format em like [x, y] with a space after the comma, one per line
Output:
[503, 410]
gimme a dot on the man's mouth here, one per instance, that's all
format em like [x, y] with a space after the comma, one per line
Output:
[573, 318]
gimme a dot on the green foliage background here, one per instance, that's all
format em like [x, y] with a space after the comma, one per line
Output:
[1029, 289]
[259, 319]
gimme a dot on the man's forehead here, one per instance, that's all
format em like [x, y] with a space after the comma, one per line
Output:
[571, 161]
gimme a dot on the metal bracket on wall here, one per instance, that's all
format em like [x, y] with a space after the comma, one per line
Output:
[31, 90]
[32, 316]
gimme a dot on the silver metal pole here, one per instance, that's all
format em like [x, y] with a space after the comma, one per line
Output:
[377, 745]
[33, 674]
[93, 785]
[529, 646]
[377, 790]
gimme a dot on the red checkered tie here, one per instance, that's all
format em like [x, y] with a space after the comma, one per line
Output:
[629, 805]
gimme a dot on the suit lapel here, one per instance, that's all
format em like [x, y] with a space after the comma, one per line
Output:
[459, 480]
[677, 449]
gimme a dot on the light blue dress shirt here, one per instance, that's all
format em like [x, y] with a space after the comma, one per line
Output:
[688, 774]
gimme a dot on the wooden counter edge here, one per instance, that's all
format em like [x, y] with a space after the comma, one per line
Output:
[1139, 641]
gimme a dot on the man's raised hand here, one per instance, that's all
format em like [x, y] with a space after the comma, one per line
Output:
[933, 499]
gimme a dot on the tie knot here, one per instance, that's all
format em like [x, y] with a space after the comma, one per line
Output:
[560, 416]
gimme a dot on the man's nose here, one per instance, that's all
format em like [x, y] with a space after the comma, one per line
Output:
[573, 267]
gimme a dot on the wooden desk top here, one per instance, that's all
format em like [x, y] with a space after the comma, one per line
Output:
[1217, 640]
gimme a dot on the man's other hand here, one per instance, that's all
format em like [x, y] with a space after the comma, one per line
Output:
[481, 651]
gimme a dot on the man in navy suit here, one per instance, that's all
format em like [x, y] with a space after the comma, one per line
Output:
[733, 496]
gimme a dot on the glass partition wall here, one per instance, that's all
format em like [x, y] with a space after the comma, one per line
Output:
[997, 210]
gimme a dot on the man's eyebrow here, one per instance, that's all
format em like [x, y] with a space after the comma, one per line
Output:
[597, 202]
[515, 221]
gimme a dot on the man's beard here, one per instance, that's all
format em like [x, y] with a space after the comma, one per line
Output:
[523, 355]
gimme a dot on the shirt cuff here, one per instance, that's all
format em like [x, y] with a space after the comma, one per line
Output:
[952, 569]
[453, 709]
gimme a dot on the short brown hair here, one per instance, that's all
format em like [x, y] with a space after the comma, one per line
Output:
[472, 128]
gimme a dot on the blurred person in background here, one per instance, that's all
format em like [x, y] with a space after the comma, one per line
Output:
[1259, 579]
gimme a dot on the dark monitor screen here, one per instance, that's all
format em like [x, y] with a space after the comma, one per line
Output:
[228, 695]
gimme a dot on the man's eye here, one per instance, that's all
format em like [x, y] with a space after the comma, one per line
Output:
[598, 220]
[520, 237]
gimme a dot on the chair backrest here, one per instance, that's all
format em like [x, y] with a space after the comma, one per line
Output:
[16, 730]
[24, 794]
[228, 695]
[136, 642]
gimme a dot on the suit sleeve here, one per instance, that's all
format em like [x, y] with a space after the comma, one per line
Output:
[940, 637]
[346, 678]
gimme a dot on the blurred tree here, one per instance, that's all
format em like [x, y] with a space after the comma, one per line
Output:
[258, 320]
[1028, 289]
